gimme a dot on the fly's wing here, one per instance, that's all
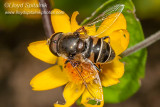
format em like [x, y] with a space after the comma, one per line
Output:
[118, 8]
[96, 86]
[91, 80]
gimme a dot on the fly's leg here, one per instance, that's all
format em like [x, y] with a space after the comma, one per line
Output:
[66, 62]
[97, 68]
[81, 30]
[106, 37]
[73, 63]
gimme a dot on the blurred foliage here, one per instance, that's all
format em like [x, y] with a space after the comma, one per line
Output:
[84, 7]
[8, 21]
[147, 9]
[13, 18]
[134, 64]
[144, 8]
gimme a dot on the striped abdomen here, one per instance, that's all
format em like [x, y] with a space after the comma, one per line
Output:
[98, 51]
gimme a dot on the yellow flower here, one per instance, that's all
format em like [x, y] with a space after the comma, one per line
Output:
[56, 76]
[27, 8]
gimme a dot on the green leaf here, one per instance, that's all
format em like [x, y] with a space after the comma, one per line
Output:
[134, 64]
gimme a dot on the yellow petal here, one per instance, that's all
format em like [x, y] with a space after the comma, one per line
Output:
[41, 51]
[86, 97]
[115, 69]
[91, 31]
[111, 72]
[60, 21]
[112, 23]
[109, 82]
[71, 93]
[74, 24]
[49, 79]
[119, 40]
[61, 61]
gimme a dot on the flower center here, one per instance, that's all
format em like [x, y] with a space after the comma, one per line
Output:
[81, 73]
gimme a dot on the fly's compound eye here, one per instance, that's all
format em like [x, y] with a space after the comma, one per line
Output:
[53, 45]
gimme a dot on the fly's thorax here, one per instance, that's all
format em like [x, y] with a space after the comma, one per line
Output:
[70, 45]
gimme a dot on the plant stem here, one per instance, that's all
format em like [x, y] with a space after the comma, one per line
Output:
[46, 18]
[145, 43]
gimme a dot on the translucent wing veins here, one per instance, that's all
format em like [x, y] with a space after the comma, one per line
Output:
[99, 19]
